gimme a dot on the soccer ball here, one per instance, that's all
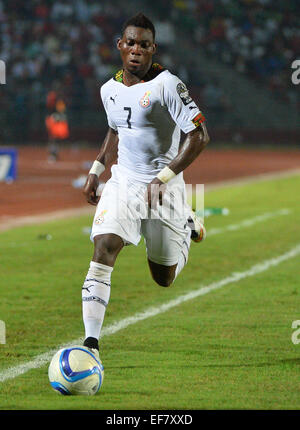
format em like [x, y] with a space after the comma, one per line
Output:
[75, 370]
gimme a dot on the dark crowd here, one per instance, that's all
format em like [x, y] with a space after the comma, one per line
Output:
[68, 46]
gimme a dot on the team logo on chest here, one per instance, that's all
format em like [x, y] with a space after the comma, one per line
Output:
[145, 100]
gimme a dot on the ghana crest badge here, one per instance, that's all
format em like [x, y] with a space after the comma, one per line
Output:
[100, 217]
[145, 100]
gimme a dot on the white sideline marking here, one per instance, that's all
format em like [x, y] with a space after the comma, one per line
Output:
[8, 223]
[245, 180]
[248, 222]
[43, 359]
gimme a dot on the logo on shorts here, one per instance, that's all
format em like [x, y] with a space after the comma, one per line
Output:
[100, 217]
[145, 100]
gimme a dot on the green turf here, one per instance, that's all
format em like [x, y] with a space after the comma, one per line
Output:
[229, 349]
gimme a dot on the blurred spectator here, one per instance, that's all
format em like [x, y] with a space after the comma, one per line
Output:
[56, 124]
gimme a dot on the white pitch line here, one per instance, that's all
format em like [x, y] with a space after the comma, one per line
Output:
[12, 222]
[43, 359]
[248, 222]
[9, 223]
[260, 177]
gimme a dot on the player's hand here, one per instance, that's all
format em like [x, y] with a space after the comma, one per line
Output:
[154, 193]
[90, 189]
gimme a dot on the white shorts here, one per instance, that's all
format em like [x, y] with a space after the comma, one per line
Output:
[122, 210]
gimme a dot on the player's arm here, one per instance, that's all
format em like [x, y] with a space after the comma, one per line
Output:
[194, 143]
[107, 154]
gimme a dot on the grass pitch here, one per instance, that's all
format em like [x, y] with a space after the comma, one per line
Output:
[228, 349]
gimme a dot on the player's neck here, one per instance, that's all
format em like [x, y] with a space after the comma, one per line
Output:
[129, 79]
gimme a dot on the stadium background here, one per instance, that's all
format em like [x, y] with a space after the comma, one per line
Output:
[234, 55]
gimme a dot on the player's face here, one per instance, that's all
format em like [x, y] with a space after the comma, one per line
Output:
[137, 48]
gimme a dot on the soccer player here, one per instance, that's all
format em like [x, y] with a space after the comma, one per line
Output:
[146, 108]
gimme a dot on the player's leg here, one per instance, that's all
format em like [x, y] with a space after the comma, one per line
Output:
[112, 229]
[53, 150]
[168, 240]
[107, 248]
[162, 275]
[96, 287]
[167, 249]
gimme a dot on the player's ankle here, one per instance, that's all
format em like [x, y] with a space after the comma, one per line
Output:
[91, 342]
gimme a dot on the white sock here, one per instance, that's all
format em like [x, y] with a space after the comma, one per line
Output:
[184, 255]
[95, 298]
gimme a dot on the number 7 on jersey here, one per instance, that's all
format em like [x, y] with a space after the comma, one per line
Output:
[129, 116]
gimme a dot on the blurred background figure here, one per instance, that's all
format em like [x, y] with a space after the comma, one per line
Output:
[57, 126]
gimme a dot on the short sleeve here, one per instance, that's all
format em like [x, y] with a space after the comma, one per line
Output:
[181, 106]
[110, 122]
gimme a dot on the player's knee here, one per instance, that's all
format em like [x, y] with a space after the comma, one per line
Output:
[106, 248]
[161, 274]
[163, 281]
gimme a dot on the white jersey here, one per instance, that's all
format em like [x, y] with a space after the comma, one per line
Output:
[148, 117]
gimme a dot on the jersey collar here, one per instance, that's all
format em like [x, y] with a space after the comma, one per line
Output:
[155, 70]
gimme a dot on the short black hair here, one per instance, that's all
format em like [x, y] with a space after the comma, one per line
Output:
[139, 20]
